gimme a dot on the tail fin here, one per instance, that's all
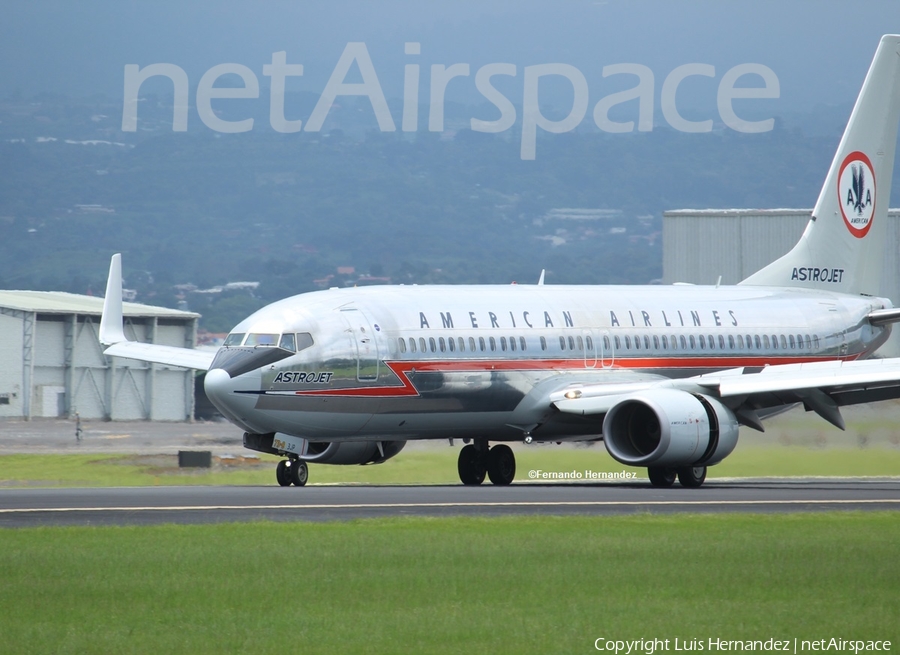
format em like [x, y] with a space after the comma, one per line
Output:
[842, 247]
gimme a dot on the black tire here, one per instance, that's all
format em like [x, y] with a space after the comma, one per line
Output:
[283, 473]
[501, 465]
[471, 466]
[299, 473]
[692, 477]
[661, 476]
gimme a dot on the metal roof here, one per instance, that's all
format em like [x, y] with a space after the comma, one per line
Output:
[57, 302]
[725, 213]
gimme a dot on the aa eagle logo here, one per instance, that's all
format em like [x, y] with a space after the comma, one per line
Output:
[856, 193]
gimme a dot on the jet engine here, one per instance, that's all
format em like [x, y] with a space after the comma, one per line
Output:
[352, 452]
[669, 428]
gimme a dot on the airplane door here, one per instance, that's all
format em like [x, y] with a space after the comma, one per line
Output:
[363, 338]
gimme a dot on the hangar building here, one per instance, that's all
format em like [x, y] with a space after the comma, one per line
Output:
[699, 245]
[52, 365]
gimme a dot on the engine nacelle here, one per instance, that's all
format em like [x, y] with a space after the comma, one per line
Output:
[352, 452]
[669, 428]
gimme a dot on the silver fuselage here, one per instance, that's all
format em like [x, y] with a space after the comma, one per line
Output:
[409, 362]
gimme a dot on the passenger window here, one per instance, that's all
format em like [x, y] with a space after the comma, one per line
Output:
[431, 343]
[730, 342]
[722, 342]
[562, 343]
[684, 343]
[522, 342]
[783, 343]
[512, 343]
[580, 342]
[462, 344]
[693, 344]
[422, 346]
[647, 342]
[637, 343]
[756, 342]
[589, 343]
[628, 342]
[234, 339]
[493, 344]
[766, 341]
[808, 343]
[656, 342]
[665, 342]
[472, 344]
[481, 344]
[412, 344]
[441, 343]
[616, 341]
[702, 342]
[740, 342]
[571, 343]
[503, 344]
[451, 344]
[606, 344]
[402, 343]
[543, 343]
[793, 343]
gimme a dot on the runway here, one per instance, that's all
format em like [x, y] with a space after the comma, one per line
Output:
[155, 505]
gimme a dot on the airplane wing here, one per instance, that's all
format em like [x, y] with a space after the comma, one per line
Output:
[112, 332]
[822, 387]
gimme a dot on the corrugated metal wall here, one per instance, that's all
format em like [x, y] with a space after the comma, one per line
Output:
[68, 372]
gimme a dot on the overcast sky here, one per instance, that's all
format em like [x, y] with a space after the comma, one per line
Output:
[819, 49]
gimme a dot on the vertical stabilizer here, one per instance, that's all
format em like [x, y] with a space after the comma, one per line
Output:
[842, 248]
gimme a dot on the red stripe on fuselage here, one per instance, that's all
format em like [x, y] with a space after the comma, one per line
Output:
[402, 369]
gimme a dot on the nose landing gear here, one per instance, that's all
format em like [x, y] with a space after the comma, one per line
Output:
[292, 472]
[476, 460]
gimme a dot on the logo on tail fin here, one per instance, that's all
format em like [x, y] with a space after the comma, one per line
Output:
[856, 193]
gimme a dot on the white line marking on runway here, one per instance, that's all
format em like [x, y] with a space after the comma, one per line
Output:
[585, 503]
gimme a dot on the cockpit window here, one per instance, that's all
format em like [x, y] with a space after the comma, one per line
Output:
[304, 341]
[234, 339]
[260, 339]
[287, 342]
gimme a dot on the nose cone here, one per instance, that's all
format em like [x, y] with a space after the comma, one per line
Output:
[234, 398]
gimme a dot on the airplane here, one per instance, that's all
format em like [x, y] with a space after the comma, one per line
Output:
[664, 376]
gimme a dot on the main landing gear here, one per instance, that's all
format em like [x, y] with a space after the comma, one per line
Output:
[292, 472]
[476, 460]
[689, 476]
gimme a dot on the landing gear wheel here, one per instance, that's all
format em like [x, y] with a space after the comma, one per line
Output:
[501, 465]
[283, 473]
[299, 473]
[661, 476]
[692, 476]
[471, 466]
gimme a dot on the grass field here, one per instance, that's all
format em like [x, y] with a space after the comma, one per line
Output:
[425, 465]
[523, 585]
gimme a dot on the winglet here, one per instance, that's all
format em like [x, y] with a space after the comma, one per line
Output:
[541, 279]
[111, 330]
